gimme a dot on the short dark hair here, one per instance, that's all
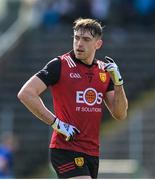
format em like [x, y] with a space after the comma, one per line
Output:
[91, 25]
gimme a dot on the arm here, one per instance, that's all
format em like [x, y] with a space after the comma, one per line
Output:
[116, 100]
[29, 96]
[117, 103]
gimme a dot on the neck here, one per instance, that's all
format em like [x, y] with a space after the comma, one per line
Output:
[84, 61]
[88, 62]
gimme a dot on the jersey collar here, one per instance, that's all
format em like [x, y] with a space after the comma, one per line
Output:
[79, 61]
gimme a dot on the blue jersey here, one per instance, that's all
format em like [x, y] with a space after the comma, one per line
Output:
[7, 155]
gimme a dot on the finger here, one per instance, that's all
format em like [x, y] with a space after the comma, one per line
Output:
[109, 59]
[76, 130]
[69, 138]
[109, 66]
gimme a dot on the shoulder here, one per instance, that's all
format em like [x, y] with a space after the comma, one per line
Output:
[50, 74]
[55, 61]
[68, 59]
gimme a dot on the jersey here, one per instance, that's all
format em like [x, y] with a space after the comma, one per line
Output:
[6, 155]
[78, 96]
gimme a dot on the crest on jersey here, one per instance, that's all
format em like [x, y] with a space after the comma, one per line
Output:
[103, 77]
[79, 161]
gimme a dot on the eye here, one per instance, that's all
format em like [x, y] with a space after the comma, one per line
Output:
[76, 37]
[87, 39]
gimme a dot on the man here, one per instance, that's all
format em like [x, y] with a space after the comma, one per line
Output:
[79, 84]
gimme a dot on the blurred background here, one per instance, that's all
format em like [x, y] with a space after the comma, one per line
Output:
[32, 32]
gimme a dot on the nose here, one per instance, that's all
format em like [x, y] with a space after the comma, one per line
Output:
[79, 43]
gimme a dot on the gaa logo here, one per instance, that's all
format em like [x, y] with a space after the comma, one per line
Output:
[75, 75]
[90, 97]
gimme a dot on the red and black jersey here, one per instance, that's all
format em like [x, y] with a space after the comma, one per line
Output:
[78, 96]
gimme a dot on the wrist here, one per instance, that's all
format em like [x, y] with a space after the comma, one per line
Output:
[118, 83]
[118, 87]
[55, 118]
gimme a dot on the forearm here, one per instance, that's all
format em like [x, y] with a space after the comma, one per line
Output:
[120, 103]
[37, 107]
[34, 103]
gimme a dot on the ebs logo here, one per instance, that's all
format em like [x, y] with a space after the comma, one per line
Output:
[90, 97]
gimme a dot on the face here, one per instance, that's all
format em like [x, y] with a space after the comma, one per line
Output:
[85, 46]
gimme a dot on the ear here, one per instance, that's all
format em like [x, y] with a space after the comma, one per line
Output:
[99, 44]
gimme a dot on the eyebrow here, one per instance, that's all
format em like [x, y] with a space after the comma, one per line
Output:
[83, 36]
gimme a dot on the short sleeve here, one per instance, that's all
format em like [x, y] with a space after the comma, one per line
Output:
[50, 74]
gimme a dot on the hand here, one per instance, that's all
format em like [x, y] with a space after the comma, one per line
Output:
[66, 129]
[113, 70]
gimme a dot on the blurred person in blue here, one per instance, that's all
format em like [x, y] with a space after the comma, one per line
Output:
[145, 11]
[8, 145]
[100, 9]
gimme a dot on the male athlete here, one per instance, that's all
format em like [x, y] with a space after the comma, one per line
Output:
[79, 84]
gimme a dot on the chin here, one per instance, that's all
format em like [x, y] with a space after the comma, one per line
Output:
[77, 56]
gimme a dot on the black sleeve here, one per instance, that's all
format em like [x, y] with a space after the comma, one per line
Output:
[50, 74]
[111, 86]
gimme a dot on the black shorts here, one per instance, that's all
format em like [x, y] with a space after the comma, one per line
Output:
[69, 164]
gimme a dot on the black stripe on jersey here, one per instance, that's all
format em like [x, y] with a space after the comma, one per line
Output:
[50, 74]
